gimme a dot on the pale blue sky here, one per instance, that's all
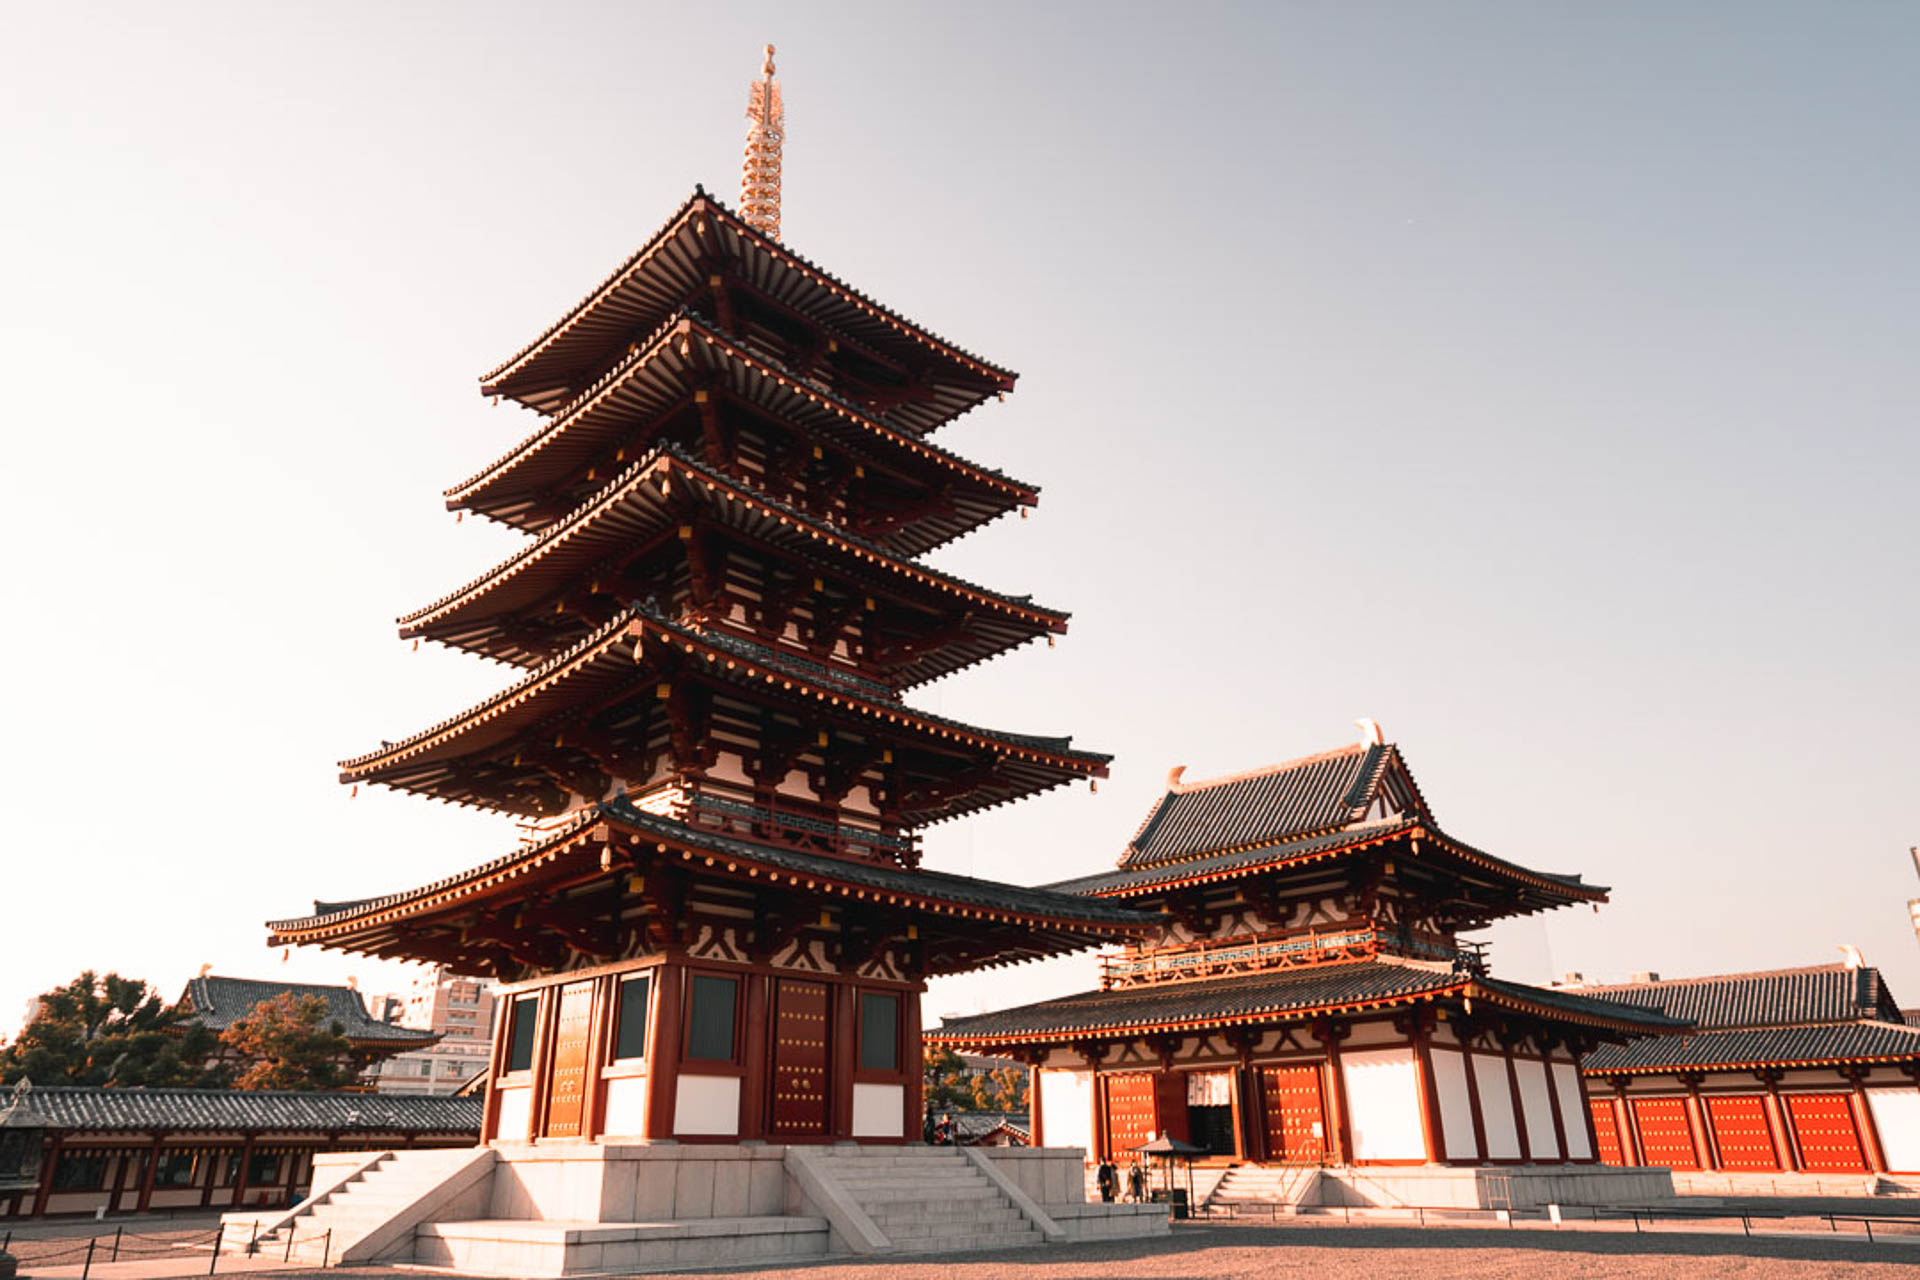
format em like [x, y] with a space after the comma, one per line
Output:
[1536, 378]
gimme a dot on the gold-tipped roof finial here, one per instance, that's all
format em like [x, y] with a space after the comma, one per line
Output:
[760, 175]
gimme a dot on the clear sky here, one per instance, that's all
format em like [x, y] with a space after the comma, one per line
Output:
[1536, 378]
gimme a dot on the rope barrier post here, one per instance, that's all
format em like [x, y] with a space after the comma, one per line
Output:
[214, 1261]
[1868, 1224]
[116, 1244]
[288, 1255]
[326, 1248]
[87, 1266]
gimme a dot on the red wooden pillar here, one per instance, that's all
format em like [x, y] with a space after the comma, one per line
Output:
[912, 1055]
[1553, 1099]
[1474, 1108]
[845, 1045]
[1036, 1119]
[755, 1053]
[1863, 1122]
[51, 1159]
[1519, 1106]
[153, 1168]
[1342, 1127]
[663, 1052]
[240, 1178]
[1779, 1124]
[593, 1107]
[1586, 1114]
[1706, 1150]
[1100, 1137]
[1430, 1119]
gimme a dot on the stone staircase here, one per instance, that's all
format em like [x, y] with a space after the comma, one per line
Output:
[1264, 1184]
[370, 1215]
[928, 1199]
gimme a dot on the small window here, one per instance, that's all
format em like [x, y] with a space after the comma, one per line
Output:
[175, 1169]
[879, 1032]
[79, 1171]
[227, 1171]
[519, 1034]
[710, 1018]
[630, 1028]
[263, 1171]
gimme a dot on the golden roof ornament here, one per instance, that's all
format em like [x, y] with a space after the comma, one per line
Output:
[760, 175]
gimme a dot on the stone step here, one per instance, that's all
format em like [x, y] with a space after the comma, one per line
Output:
[880, 1195]
[903, 1211]
[967, 1240]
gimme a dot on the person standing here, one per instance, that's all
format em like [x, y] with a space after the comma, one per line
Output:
[1106, 1177]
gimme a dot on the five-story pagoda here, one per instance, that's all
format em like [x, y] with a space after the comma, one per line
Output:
[716, 926]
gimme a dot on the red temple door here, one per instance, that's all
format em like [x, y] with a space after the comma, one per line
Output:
[1293, 1112]
[1740, 1131]
[1664, 1134]
[800, 1058]
[1606, 1131]
[567, 1085]
[1170, 1103]
[1130, 1112]
[1823, 1122]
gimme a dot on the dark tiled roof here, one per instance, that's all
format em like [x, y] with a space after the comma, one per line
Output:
[1298, 798]
[217, 1003]
[960, 890]
[1126, 879]
[1549, 889]
[1767, 1046]
[75, 1107]
[1780, 997]
[1257, 998]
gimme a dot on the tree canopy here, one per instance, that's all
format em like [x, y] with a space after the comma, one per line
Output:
[951, 1085]
[110, 1031]
[288, 1043]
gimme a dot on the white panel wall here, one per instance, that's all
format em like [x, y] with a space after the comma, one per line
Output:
[626, 1106]
[1496, 1107]
[707, 1105]
[1066, 1108]
[1456, 1108]
[879, 1110]
[516, 1114]
[1383, 1104]
[1536, 1108]
[1896, 1114]
[1573, 1109]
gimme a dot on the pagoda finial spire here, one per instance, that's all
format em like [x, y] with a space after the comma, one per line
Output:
[760, 175]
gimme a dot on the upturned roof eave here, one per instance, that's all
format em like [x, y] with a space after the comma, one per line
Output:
[939, 892]
[665, 457]
[498, 381]
[467, 493]
[633, 623]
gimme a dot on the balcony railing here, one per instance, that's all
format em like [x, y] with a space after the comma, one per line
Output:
[808, 832]
[1223, 957]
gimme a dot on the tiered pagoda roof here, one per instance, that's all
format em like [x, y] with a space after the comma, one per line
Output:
[705, 239]
[714, 620]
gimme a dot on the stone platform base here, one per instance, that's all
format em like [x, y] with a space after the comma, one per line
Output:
[1515, 1187]
[566, 1209]
[1701, 1182]
[503, 1247]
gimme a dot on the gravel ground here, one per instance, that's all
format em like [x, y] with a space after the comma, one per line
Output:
[64, 1243]
[1374, 1253]
[1319, 1248]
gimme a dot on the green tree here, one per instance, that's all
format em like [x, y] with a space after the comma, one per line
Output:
[288, 1043]
[944, 1077]
[110, 1031]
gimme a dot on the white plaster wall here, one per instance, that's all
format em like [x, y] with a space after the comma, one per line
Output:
[1383, 1104]
[1496, 1107]
[1456, 1107]
[707, 1105]
[1896, 1114]
[516, 1114]
[1573, 1109]
[626, 1106]
[879, 1110]
[1536, 1108]
[1366, 1033]
[1066, 1108]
